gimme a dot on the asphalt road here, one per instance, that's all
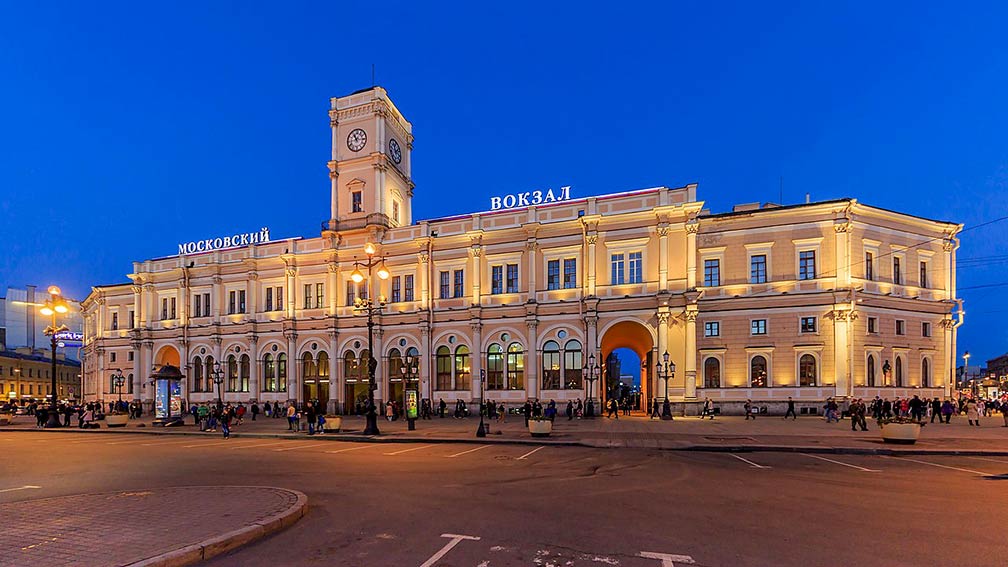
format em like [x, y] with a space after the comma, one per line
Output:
[393, 504]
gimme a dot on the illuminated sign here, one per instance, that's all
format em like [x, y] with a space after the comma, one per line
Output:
[529, 198]
[220, 243]
[69, 336]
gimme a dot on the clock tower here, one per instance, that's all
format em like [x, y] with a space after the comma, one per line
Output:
[370, 165]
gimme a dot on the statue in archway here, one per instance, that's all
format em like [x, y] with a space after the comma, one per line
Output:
[886, 373]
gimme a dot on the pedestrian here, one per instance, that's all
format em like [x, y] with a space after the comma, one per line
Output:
[501, 413]
[570, 410]
[790, 410]
[526, 411]
[936, 409]
[225, 424]
[858, 410]
[972, 414]
[291, 412]
[1004, 412]
[310, 417]
[749, 410]
[442, 406]
[708, 409]
[321, 422]
[654, 409]
[240, 413]
[613, 408]
[255, 410]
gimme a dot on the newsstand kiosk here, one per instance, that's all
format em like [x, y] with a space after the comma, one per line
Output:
[167, 382]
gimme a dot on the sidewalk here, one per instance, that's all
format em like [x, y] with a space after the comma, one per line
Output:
[807, 434]
[144, 528]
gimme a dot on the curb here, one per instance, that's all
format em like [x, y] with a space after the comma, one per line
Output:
[230, 541]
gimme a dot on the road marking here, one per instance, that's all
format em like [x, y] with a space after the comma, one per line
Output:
[163, 442]
[942, 466]
[408, 450]
[207, 444]
[128, 442]
[469, 451]
[841, 463]
[300, 447]
[747, 461]
[668, 559]
[530, 452]
[455, 540]
[989, 459]
[259, 445]
[350, 449]
[25, 487]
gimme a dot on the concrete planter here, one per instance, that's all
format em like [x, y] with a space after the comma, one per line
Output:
[333, 423]
[120, 420]
[540, 427]
[901, 433]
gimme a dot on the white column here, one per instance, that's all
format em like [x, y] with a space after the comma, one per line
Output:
[842, 320]
[423, 267]
[662, 347]
[476, 269]
[137, 311]
[663, 257]
[146, 387]
[591, 239]
[428, 361]
[692, 228]
[254, 382]
[531, 358]
[690, 353]
[293, 366]
[138, 370]
[531, 246]
[334, 390]
[289, 293]
[332, 282]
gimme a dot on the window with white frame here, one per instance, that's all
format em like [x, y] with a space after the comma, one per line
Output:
[712, 328]
[897, 270]
[553, 274]
[636, 267]
[807, 371]
[900, 327]
[869, 266]
[617, 269]
[923, 274]
[925, 329]
[408, 287]
[873, 325]
[570, 273]
[807, 265]
[758, 268]
[758, 326]
[712, 272]
[808, 324]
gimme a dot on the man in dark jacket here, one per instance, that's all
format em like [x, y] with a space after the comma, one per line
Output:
[936, 409]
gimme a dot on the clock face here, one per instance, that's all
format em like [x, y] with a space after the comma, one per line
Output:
[356, 140]
[394, 149]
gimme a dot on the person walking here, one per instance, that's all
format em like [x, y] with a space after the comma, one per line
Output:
[749, 410]
[936, 409]
[708, 409]
[255, 410]
[790, 410]
[972, 414]
[442, 406]
[654, 409]
[613, 409]
[310, 416]
[1004, 412]
[858, 410]
[570, 410]
[225, 424]
[291, 411]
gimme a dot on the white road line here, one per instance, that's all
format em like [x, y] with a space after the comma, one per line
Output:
[25, 487]
[530, 452]
[668, 559]
[208, 444]
[942, 466]
[989, 459]
[407, 450]
[129, 442]
[748, 461]
[841, 463]
[173, 442]
[469, 451]
[300, 447]
[455, 539]
[350, 449]
[259, 445]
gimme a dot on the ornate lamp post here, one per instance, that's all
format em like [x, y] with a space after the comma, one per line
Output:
[666, 372]
[410, 369]
[218, 378]
[54, 305]
[118, 380]
[369, 307]
[965, 374]
[589, 374]
[481, 431]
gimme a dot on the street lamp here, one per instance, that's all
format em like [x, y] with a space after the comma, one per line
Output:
[410, 369]
[666, 372]
[54, 305]
[367, 306]
[117, 382]
[481, 431]
[218, 378]
[589, 374]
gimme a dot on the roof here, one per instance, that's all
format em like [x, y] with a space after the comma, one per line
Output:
[38, 358]
[820, 203]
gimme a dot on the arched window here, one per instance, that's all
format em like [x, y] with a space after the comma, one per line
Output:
[129, 383]
[232, 373]
[712, 373]
[197, 375]
[495, 367]
[572, 365]
[899, 372]
[281, 372]
[515, 367]
[307, 366]
[350, 365]
[925, 373]
[443, 365]
[208, 373]
[807, 370]
[871, 370]
[551, 366]
[463, 371]
[322, 366]
[395, 365]
[243, 373]
[758, 371]
[269, 374]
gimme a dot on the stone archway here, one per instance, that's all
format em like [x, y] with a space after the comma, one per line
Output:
[635, 336]
[167, 355]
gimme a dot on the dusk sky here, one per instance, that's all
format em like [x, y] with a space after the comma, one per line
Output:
[129, 128]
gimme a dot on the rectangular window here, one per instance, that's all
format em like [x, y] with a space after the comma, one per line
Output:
[351, 293]
[712, 329]
[757, 268]
[206, 304]
[458, 290]
[164, 308]
[570, 273]
[712, 273]
[873, 325]
[308, 296]
[396, 289]
[241, 301]
[115, 321]
[356, 202]
[496, 279]
[197, 302]
[113, 355]
[923, 274]
[869, 266]
[445, 285]
[900, 327]
[269, 299]
[925, 329]
[897, 272]
[758, 326]
[408, 284]
[808, 324]
[172, 303]
[319, 301]
[231, 303]
[636, 267]
[129, 356]
[132, 319]
[279, 298]
[512, 278]
[395, 212]
[553, 274]
[616, 263]
[806, 265]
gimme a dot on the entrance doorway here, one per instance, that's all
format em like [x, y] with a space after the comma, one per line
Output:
[627, 351]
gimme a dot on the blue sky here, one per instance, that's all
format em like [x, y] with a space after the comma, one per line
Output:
[129, 128]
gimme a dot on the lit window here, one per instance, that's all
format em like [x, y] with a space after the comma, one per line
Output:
[807, 370]
[712, 329]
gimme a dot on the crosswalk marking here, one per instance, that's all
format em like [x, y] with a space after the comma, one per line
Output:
[259, 445]
[530, 452]
[350, 449]
[469, 451]
[408, 450]
[840, 463]
[300, 447]
[941, 466]
[748, 461]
